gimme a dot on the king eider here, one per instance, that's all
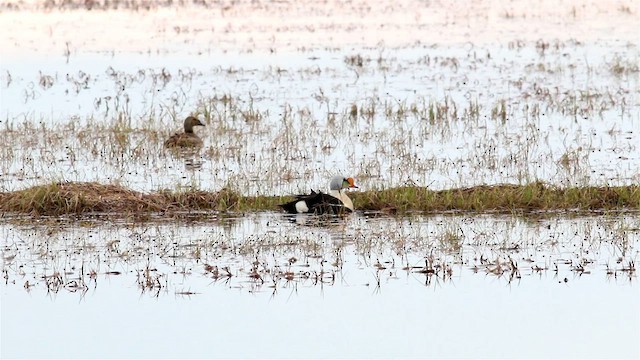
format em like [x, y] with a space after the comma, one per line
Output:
[335, 202]
[187, 138]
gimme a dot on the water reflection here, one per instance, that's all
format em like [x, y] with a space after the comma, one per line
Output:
[273, 252]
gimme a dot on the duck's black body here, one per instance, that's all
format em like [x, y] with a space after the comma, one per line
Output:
[316, 203]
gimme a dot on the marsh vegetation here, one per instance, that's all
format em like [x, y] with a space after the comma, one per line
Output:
[495, 149]
[273, 253]
[88, 198]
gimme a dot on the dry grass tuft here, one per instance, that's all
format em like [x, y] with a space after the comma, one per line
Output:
[77, 198]
[222, 200]
[68, 198]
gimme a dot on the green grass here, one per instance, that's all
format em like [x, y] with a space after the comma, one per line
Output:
[501, 198]
[79, 198]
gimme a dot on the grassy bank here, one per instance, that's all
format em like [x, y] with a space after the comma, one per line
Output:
[78, 198]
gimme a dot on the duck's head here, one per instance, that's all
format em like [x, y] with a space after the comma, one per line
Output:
[340, 182]
[190, 122]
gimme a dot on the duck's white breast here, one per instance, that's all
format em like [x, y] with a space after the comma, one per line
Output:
[301, 206]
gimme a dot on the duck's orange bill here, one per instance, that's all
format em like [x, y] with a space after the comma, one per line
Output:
[351, 183]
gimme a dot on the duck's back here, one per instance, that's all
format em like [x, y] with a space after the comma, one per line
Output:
[183, 140]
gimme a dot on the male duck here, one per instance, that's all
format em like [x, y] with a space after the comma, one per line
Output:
[187, 138]
[335, 202]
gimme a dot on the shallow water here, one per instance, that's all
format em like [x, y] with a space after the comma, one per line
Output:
[269, 285]
[447, 95]
[438, 108]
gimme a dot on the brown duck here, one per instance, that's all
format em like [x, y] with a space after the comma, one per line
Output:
[187, 138]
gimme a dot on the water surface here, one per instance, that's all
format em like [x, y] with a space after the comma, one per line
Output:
[267, 286]
[392, 93]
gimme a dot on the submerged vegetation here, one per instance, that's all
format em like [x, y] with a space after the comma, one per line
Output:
[498, 171]
[557, 115]
[260, 252]
[422, 127]
[79, 198]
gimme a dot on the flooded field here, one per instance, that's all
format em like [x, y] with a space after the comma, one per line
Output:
[367, 285]
[427, 109]
[395, 94]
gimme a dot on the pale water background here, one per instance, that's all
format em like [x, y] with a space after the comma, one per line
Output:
[367, 306]
[65, 70]
[568, 75]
